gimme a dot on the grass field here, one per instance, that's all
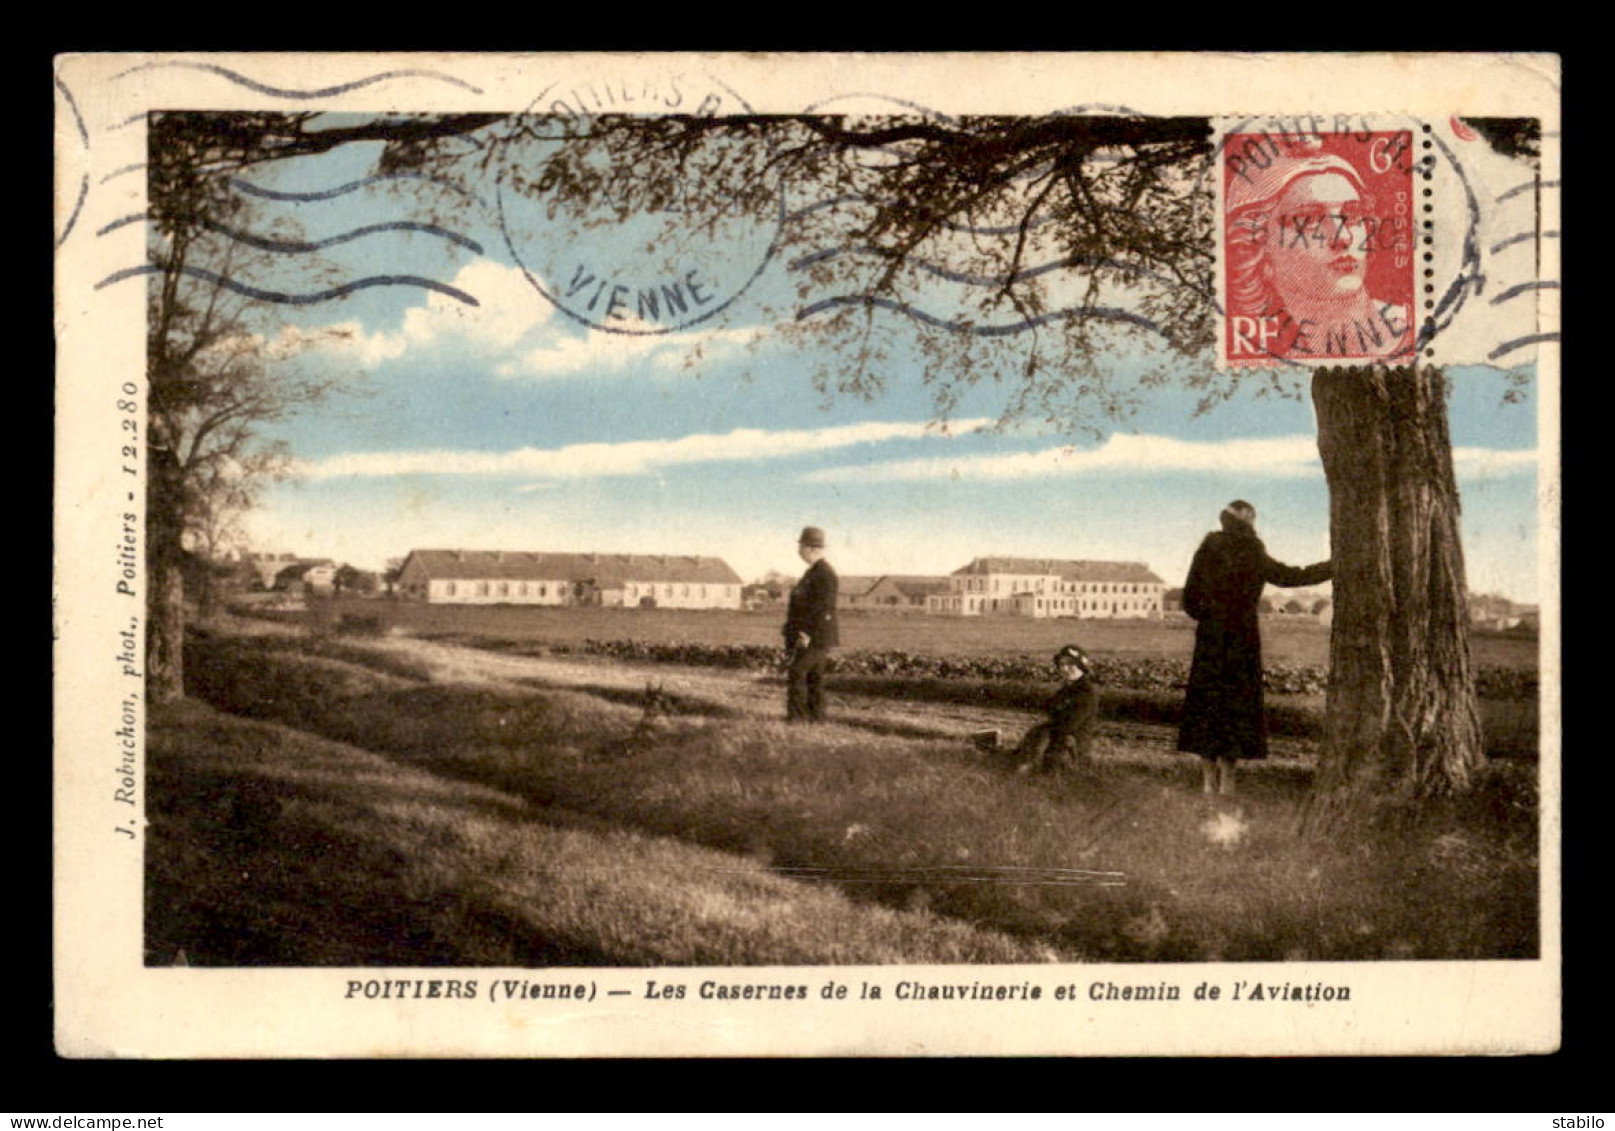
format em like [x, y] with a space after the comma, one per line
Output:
[322, 802]
[1510, 722]
[1290, 642]
[270, 846]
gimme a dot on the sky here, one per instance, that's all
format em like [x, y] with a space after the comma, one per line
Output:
[514, 424]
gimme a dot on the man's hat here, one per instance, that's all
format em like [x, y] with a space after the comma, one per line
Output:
[811, 536]
[1071, 654]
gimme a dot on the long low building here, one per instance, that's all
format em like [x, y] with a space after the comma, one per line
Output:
[1043, 587]
[521, 577]
[892, 591]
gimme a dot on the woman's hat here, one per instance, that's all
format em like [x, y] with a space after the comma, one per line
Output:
[1071, 654]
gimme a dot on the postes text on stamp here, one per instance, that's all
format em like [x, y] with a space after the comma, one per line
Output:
[1318, 247]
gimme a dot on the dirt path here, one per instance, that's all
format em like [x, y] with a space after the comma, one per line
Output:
[696, 690]
[723, 692]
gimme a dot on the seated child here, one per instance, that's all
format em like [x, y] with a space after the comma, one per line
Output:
[1065, 738]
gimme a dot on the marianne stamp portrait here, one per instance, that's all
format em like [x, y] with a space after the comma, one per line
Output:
[1319, 265]
[601, 555]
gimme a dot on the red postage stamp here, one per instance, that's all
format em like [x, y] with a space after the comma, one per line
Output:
[1318, 234]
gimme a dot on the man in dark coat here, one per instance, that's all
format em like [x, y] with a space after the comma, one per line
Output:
[810, 630]
[1223, 717]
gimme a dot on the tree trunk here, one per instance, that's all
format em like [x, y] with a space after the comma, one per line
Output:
[165, 577]
[206, 601]
[1402, 722]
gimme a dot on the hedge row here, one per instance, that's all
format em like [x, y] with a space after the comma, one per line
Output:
[1145, 674]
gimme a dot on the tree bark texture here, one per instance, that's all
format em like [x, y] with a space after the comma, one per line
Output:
[1402, 721]
[165, 576]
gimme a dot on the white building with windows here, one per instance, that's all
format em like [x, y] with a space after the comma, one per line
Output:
[1044, 587]
[520, 577]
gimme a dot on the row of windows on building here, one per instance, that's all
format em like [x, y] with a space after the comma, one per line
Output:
[542, 589]
[1047, 604]
[501, 589]
[651, 590]
[1040, 585]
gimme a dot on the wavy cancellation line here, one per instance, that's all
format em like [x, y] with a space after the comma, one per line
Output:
[1004, 280]
[1103, 313]
[1526, 288]
[1522, 237]
[299, 247]
[1520, 343]
[262, 193]
[1528, 186]
[296, 299]
[950, 225]
[323, 92]
[352, 186]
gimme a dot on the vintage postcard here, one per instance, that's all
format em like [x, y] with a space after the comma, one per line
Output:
[908, 555]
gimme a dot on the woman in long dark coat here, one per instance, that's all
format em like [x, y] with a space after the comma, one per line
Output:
[1223, 717]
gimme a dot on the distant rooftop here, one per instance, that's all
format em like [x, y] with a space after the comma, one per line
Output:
[855, 584]
[1065, 569]
[604, 570]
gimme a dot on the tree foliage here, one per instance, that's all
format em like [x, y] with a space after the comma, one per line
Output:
[1032, 252]
[217, 373]
[1040, 253]
[1021, 250]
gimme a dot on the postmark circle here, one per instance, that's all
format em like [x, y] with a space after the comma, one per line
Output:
[579, 227]
[1311, 207]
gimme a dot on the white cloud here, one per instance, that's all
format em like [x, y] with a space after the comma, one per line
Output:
[507, 313]
[603, 352]
[1485, 463]
[1281, 457]
[633, 457]
[516, 328]
[1287, 456]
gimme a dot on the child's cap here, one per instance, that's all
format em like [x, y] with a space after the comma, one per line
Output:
[1071, 654]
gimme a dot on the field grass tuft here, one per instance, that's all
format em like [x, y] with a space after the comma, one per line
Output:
[269, 846]
[744, 817]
